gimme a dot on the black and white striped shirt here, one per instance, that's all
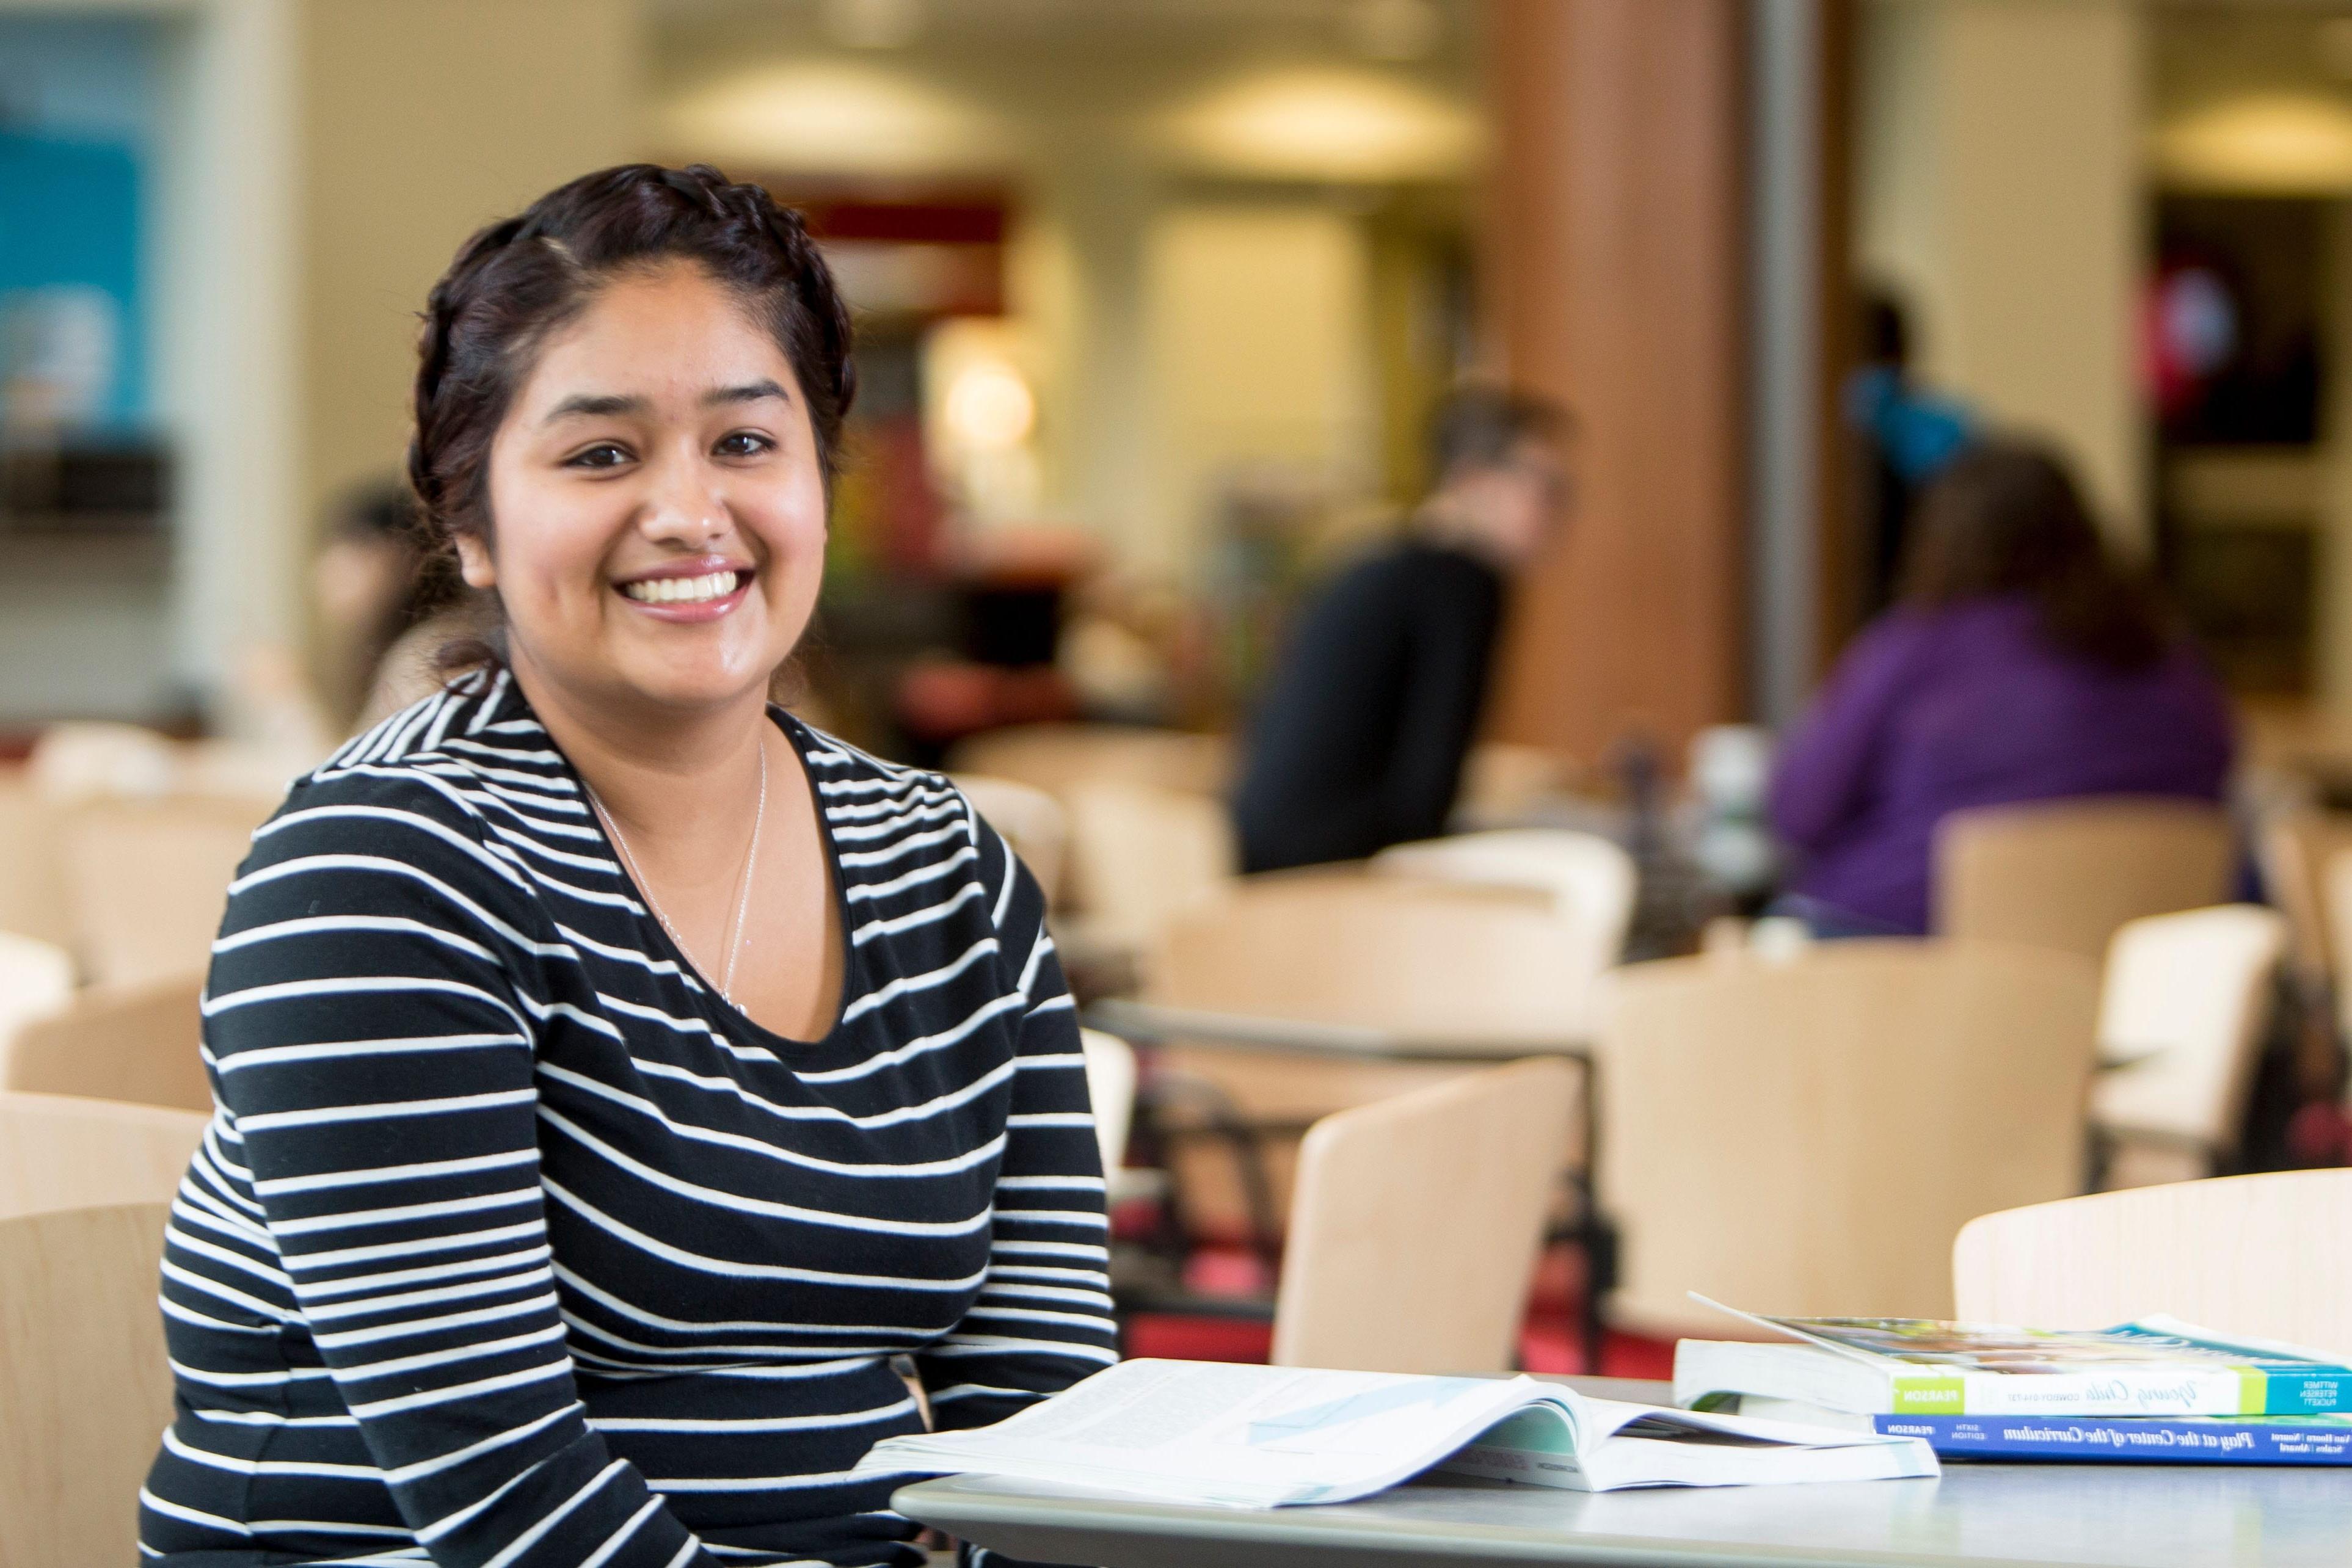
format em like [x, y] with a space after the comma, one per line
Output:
[513, 1245]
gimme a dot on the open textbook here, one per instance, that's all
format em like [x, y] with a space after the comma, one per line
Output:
[1916, 1367]
[1262, 1436]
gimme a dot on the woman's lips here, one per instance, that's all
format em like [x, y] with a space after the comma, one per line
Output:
[701, 596]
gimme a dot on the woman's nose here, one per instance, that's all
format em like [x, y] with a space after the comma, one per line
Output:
[683, 505]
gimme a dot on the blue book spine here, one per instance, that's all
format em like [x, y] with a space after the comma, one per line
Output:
[2213, 1440]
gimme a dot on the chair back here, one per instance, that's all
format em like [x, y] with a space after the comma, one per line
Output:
[1798, 1137]
[147, 883]
[2192, 992]
[1416, 1223]
[85, 1390]
[1141, 855]
[32, 864]
[1501, 780]
[2255, 1255]
[1110, 1089]
[1441, 964]
[1030, 821]
[136, 1043]
[2069, 873]
[1591, 881]
[35, 980]
[58, 1152]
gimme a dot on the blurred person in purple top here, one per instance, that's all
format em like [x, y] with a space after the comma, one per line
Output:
[2019, 664]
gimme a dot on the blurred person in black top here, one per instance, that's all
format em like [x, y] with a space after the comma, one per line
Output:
[1360, 740]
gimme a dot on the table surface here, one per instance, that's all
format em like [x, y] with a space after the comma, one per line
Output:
[2084, 1516]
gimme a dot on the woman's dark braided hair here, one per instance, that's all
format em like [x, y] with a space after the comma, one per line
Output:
[518, 281]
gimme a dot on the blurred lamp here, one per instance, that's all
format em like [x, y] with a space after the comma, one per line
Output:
[990, 407]
[2279, 143]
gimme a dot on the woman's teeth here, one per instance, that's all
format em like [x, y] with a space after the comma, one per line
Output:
[683, 590]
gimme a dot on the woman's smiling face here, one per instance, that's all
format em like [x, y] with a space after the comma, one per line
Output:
[657, 503]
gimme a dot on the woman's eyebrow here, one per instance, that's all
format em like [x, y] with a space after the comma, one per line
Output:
[749, 392]
[595, 406]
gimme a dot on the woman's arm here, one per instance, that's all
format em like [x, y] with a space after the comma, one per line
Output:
[370, 1016]
[1043, 1319]
[1826, 770]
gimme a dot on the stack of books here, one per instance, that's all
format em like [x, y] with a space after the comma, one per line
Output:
[2153, 1390]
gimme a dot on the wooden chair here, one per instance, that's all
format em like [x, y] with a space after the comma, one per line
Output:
[1416, 1225]
[147, 883]
[137, 1044]
[1503, 782]
[1326, 974]
[2298, 849]
[1141, 855]
[1032, 821]
[35, 980]
[1591, 881]
[2068, 873]
[85, 1389]
[1110, 1089]
[2186, 1000]
[2255, 1255]
[1798, 1137]
[32, 865]
[59, 1152]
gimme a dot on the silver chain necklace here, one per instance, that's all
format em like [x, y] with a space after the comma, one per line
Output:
[743, 899]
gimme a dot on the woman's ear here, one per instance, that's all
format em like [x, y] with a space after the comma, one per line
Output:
[474, 562]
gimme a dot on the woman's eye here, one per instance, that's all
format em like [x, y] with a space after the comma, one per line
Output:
[744, 444]
[603, 455]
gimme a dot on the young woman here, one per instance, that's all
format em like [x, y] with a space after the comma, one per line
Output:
[615, 1074]
[2021, 664]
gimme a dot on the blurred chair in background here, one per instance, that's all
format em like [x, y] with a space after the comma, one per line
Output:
[1504, 784]
[35, 980]
[1416, 1224]
[60, 1151]
[1591, 881]
[147, 883]
[2069, 873]
[1141, 855]
[1801, 1136]
[32, 866]
[1055, 758]
[83, 1381]
[139, 1044]
[2251, 1255]
[2185, 1001]
[1033, 822]
[1110, 1093]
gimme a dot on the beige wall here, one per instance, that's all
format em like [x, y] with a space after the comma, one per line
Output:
[421, 120]
[1258, 357]
[2001, 189]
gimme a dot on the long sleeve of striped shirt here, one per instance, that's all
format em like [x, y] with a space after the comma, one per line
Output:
[373, 1057]
[1042, 1316]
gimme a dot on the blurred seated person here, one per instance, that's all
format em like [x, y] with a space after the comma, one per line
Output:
[1370, 710]
[2021, 663]
[374, 584]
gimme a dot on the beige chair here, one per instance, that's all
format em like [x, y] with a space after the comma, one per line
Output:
[2186, 1002]
[1032, 821]
[138, 1044]
[2336, 906]
[2068, 873]
[1058, 757]
[1140, 855]
[1591, 881]
[1416, 1224]
[85, 760]
[1798, 1137]
[35, 980]
[2297, 849]
[147, 883]
[85, 1390]
[58, 1152]
[32, 864]
[1110, 1089]
[1362, 961]
[2255, 1255]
